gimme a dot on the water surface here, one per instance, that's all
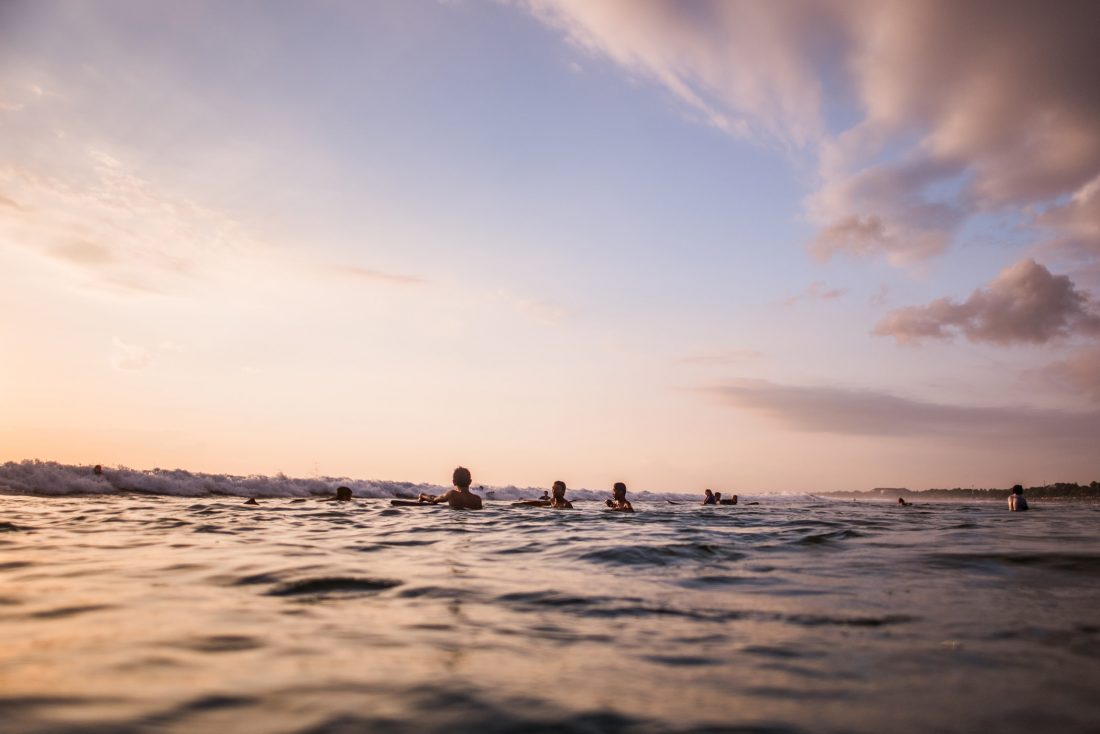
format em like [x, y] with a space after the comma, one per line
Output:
[176, 614]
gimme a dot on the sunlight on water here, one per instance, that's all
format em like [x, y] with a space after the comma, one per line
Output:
[177, 614]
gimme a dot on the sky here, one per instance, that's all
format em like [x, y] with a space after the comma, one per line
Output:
[794, 246]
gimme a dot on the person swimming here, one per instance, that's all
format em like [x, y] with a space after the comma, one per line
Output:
[708, 498]
[1016, 500]
[343, 494]
[731, 501]
[618, 501]
[459, 498]
[557, 501]
[903, 503]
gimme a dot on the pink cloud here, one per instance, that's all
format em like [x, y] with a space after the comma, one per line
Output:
[1026, 303]
[953, 109]
[1078, 374]
[870, 413]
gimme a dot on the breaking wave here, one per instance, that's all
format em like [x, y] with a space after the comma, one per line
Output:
[49, 478]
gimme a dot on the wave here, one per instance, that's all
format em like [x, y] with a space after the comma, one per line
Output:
[49, 478]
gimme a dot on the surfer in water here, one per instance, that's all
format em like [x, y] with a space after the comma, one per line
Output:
[557, 502]
[708, 497]
[459, 498]
[1016, 501]
[902, 501]
[343, 494]
[618, 501]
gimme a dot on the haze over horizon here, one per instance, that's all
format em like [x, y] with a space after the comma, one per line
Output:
[759, 246]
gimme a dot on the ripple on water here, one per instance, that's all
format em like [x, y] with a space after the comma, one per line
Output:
[329, 585]
[1079, 563]
[71, 611]
[660, 555]
[220, 643]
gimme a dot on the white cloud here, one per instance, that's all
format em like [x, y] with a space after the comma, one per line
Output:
[129, 357]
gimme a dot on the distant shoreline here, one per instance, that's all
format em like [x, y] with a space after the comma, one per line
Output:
[1058, 491]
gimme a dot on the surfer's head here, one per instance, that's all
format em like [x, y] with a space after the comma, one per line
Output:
[559, 489]
[343, 494]
[619, 490]
[708, 493]
[717, 495]
[1017, 489]
[461, 478]
[97, 470]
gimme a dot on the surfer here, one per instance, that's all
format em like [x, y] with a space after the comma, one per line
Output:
[558, 501]
[618, 501]
[1016, 501]
[251, 501]
[903, 503]
[459, 498]
[708, 497]
[343, 494]
[731, 501]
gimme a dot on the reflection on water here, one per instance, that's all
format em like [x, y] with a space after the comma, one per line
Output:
[142, 614]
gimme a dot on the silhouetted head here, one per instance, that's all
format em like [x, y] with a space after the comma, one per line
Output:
[559, 489]
[717, 495]
[901, 500]
[97, 470]
[343, 494]
[462, 478]
[708, 493]
[1017, 489]
[619, 490]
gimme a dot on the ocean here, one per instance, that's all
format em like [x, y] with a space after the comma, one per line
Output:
[165, 613]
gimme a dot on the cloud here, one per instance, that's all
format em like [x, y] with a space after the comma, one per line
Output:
[728, 63]
[83, 252]
[817, 291]
[1078, 374]
[119, 230]
[869, 413]
[1024, 304]
[1076, 223]
[919, 116]
[129, 357]
[374, 276]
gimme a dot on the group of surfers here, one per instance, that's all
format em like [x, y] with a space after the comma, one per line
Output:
[461, 498]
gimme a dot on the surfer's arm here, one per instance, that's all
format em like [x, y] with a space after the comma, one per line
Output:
[438, 499]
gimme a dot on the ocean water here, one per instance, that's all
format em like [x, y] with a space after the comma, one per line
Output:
[139, 613]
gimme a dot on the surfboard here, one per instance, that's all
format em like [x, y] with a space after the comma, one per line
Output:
[411, 503]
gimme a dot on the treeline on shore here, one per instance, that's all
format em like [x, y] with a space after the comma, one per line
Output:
[1058, 490]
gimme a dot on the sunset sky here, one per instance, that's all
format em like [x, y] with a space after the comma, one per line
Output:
[752, 246]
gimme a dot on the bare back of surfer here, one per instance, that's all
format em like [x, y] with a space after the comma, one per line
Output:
[618, 501]
[459, 498]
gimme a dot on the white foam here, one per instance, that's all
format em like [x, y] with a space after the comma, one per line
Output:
[49, 478]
